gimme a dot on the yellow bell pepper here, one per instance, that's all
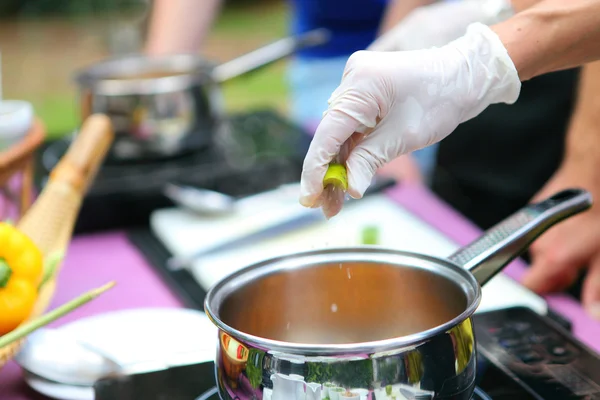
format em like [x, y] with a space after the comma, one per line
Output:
[21, 271]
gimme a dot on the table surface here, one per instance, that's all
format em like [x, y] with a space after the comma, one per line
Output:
[93, 260]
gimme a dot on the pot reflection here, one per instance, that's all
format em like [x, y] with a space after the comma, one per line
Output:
[234, 356]
[442, 367]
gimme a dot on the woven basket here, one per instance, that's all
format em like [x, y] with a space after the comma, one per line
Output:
[18, 161]
[50, 220]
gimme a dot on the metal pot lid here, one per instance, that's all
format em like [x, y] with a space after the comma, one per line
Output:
[460, 278]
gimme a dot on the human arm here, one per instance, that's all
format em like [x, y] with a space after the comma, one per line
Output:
[561, 254]
[398, 102]
[179, 26]
[404, 168]
[552, 35]
[397, 10]
[424, 23]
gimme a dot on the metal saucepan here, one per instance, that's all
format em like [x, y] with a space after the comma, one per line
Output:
[169, 105]
[367, 319]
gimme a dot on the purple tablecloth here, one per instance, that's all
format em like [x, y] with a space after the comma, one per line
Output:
[96, 259]
[92, 261]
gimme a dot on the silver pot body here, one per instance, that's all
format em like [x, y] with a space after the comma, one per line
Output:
[169, 105]
[365, 322]
[159, 107]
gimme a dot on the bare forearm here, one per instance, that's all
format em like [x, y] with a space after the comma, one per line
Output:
[552, 35]
[180, 26]
[520, 5]
[398, 9]
[583, 138]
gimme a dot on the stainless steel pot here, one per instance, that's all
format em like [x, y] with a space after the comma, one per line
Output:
[373, 320]
[166, 106]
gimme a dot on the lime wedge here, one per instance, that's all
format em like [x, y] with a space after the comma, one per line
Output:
[336, 176]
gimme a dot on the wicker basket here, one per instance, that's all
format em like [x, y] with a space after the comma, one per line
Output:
[17, 162]
[50, 220]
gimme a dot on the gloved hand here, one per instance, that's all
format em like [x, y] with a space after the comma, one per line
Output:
[392, 103]
[439, 23]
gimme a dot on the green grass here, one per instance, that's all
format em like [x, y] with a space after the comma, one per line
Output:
[266, 87]
[59, 113]
[268, 18]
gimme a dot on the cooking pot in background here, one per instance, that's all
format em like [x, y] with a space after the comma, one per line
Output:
[367, 319]
[169, 105]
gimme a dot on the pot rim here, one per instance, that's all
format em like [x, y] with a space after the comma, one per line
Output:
[215, 296]
[188, 70]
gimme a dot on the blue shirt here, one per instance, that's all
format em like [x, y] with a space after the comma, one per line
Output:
[353, 24]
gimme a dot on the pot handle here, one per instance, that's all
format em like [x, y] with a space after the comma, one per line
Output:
[498, 246]
[268, 54]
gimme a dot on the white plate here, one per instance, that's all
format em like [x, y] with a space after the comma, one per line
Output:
[137, 336]
[58, 391]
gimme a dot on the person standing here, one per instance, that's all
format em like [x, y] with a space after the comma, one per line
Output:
[181, 26]
[409, 100]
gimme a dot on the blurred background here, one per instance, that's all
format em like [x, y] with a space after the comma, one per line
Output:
[42, 43]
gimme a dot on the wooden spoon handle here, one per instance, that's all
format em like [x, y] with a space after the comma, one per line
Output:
[79, 166]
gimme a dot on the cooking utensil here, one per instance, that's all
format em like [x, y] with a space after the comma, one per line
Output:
[170, 105]
[50, 220]
[306, 217]
[210, 203]
[368, 317]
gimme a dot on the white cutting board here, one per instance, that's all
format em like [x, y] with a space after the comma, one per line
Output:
[184, 233]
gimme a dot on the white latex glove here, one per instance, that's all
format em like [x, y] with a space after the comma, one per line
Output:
[404, 101]
[439, 23]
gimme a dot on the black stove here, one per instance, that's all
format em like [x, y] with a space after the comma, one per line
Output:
[257, 151]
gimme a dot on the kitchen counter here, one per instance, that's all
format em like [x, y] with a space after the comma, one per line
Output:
[93, 260]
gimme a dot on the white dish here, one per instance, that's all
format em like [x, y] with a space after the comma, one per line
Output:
[137, 336]
[57, 391]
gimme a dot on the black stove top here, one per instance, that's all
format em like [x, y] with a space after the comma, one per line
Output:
[258, 151]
